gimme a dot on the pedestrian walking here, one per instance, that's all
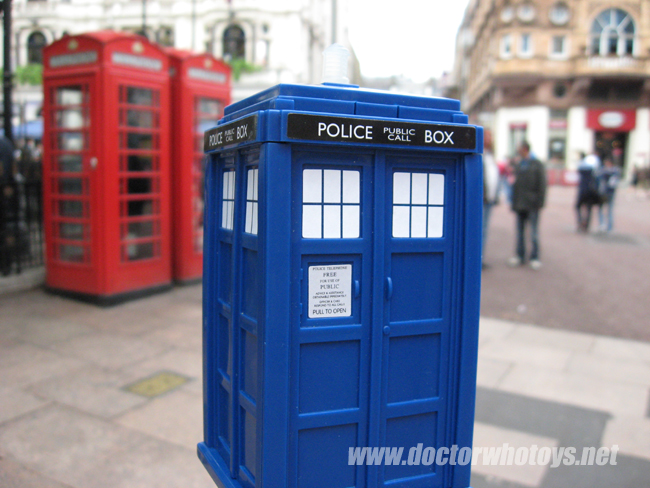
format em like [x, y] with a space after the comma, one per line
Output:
[528, 195]
[588, 193]
[490, 188]
[608, 179]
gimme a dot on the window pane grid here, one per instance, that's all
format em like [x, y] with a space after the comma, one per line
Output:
[331, 204]
[418, 205]
[252, 201]
[228, 210]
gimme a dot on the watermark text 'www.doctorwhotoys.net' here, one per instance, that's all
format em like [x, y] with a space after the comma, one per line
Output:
[504, 455]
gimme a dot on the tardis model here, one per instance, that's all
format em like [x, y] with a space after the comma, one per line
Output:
[341, 289]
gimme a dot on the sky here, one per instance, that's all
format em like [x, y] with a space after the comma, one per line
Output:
[414, 38]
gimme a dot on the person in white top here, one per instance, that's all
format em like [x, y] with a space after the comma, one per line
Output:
[490, 187]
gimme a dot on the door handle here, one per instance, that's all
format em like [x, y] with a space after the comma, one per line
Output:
[357, 288]
[93, 162]
[389, 288]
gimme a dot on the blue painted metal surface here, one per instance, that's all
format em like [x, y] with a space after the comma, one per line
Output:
[341, 287]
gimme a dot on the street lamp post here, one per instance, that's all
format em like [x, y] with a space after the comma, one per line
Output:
[7, 74]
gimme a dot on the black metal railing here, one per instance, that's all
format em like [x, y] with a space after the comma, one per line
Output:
[22, 243]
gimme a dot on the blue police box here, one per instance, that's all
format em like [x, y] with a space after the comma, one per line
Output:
[341, 289]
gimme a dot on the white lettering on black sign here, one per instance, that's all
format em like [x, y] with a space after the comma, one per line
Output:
[370, 131]
[330, 291]
[243, 130]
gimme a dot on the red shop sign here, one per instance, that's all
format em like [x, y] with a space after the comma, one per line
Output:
[611, 120]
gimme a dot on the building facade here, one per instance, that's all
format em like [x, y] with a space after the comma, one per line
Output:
[570, 76]
[279, 41]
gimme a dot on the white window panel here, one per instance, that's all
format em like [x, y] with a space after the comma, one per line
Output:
[332, 186]
[351, 187]
[332, 222]
[402, 221]
[228, 207]
[351, 224]
[312, 224]
[251, 201]
[312, 186]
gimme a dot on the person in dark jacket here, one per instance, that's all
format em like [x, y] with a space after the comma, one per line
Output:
[528, 195]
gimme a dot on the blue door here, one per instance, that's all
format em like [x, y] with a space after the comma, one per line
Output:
[371, 334]
[417, 317]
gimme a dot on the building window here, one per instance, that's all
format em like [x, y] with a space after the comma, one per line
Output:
[558, 46]
[506, 46]
[35, 44]
[559, 14]
[612, 33]
[165, 36]
[526, 45]
[234, 43]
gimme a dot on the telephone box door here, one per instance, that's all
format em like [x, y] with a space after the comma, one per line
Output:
[71, 189]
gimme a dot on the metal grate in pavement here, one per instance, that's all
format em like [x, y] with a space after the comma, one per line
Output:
[157, 384]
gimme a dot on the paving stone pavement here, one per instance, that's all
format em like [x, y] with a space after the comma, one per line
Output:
[67, 419]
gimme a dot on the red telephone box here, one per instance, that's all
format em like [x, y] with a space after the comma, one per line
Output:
[200, 90]
[106, 166]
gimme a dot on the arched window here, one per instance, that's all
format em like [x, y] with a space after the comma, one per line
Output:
[35, 44]
[234, 42]
[612, 32]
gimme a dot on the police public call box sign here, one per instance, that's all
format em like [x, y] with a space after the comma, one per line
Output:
[347, 129]
[373, 131]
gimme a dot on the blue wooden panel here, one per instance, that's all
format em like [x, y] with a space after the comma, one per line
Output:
[323, 457]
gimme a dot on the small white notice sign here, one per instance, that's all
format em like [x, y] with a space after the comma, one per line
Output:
[330, 291]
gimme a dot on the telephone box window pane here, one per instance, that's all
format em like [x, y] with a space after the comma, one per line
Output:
[139, 163]
[70, 163]
[139, 118]
[71, 208]
[140, 229]
[70, 253]
[71, 186]
[71, 231]
[136, 208]
[139, 96]
[209, 106]
[144, 250]
[139, 185]
[71, 118]
[139, 141]
[71, 141]
[69, 96]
